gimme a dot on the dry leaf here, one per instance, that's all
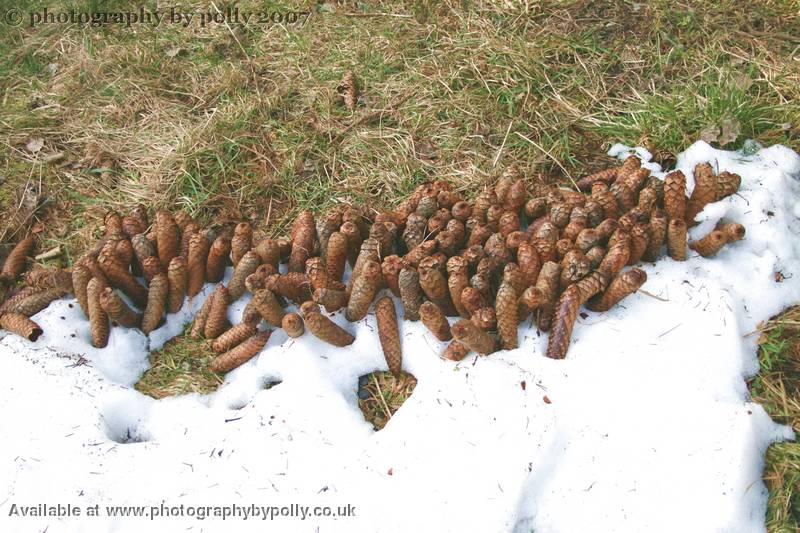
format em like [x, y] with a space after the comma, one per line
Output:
[731, 128]
[35, 144]
[710, 133]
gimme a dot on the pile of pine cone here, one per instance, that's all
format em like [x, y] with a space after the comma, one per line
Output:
[508, 255]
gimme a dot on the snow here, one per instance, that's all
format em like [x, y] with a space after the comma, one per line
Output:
[646, 425]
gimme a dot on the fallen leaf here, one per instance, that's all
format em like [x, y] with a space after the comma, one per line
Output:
[710, 133]
[546, 399]
[731, 128]
[35, 144]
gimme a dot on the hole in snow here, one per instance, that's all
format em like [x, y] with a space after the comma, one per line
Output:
[380, 395]
[180, 367]
[241, 403]
[124, 416]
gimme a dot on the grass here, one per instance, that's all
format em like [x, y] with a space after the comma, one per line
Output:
[381, 394]
[236, 122]
[181, 367]
[777, 388]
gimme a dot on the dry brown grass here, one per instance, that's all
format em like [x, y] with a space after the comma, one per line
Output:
[382, 394]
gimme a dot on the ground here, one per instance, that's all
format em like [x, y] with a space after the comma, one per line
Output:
[238, 122]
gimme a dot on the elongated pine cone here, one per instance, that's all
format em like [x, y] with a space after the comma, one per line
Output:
[676, 239]
[390, 268]
[217, 259]
[455, 351]
[240, 354]
[166, 237]
[389, 334]
[292, 285]
[704, 191]
[176, 274]
[217, 319]
[547, 283]
[303, 235]
[241, 242]
[268, 307]
[566, 312]
[247, 265]
[506, 312]
[15, 262]
[675, 195]
[725, 184]
[593, 284]
[156, 303]
[292, 324]
[98, 318]
[621, 286]
[233, 337]
[201, 318]
[710, 244]
[326, 329]
[606, 176]
[119, 277]
[364, 289]
[435, 320]
[317, 273]
[269, 251]
[410, 292]
[118, 310]
[336, 255]
[733, 231]
[473, 337]
[331, 299]
[657, 233]
[20, 325]
[80, 279]
[197, 262]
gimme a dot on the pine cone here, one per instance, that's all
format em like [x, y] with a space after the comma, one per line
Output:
[120, 278]
[390, 268]
[336, 255]
[389, 334]
[621, 286]
[656, 233]
[331, 299]
[566, 312]
[150, 268]
[98, 319]
[80, 279]
[241, 242]
[217, 320]
[269, 307]
[240, 354]
[364, 289]
[15, 262]
[461, 210]
[675, 195]
[132, 226]
[593, 284]
[303, 234]
[733, 231]
[506, 311]
[473, 337]
[639, 241]
[326, 330]
[20, 325]
[269, 252]
[215, 264]
[187, 233]
[142, 248]
[156, 303]
[434, 319]
[35, 302]
[624, 196]
[676, 239]
[176, 274]
[354, 240]
[455, 351]
[201, 318]
[704, 191]
[547, 283]
[166, 237]
[348, 90]
[292, 285]
[292, 324]
[617, 257]
[595, 255]
[710, 244]
[317, 273]
[246, 266]
[726, 183]
[118, 310]
[410, 292]
[233, 337]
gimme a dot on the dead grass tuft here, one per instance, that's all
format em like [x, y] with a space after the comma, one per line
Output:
[381, 395]
[181, 367]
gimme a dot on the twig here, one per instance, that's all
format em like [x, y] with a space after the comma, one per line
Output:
[380, 395]
[651, 295]
[49, 254]
[503, 144]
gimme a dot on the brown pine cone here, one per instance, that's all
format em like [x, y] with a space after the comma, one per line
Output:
[304, 233]
[547, 283]
[725, 184]
[647, 199]
[292, 285]
[636, 179]
[198, 260]
[191, 229]
[507, 319]
[331, 299]
[247, 265]
[49, 278]
[348, 90]
[336, 255]
[675, 195]
[566, 312]
[20, 325]
[217, 319]
[151, 266]
[166, 237]
[574, 267]
[608, 202]
[606, 176]
[35, 302]
[410, 292]
[621, 286]
[183, 220]
[617, 257]
[389, 334]
[292, 324]
[593, 284]
[241, 242]
[535, 208]
[508, 223]
[483, 201]
[156, 303]
[118, 310]
[733, 231]
[268, 307]
[98, 319]
[365, 286]
[368, 252]
[473, 337]
[15, 262]
[113, 223]
[704, 191]
[354, 240]
[269, 252]
[240, 354]
[132, 226]
[142, 248]
[120, 278]
[201, 318]
[434, 319]
[587, 239]
[595, 255]
[391, 267]
[624, 196]
[639, 241]
[176, 274]
[233, 337]
[656, 233]
[216, 263]
[325, 227]
[559, 214]
[676, 239]
[317, 273]
[461, 210]
[455, 351]
[80, 279]
[326, 329]
[710, 244]
[485, 318]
